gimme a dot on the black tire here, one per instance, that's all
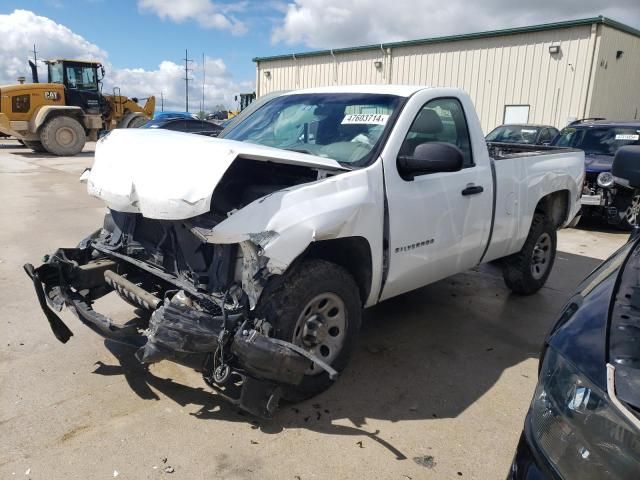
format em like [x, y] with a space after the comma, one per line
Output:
[35, 146]
[284, 303]
[527, 271]
[63, 135]
[628, 210]
[136, 122]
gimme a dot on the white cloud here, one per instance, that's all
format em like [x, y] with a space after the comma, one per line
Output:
[219, 88]
[204, 12]
[21, 29]
[339, 23]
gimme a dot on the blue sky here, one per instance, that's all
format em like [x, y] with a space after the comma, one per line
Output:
[142, 42]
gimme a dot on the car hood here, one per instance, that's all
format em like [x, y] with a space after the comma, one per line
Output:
[171, 175]
[580, 334]
[597, 163]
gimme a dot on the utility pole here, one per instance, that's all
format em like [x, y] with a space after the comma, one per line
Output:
[35, 55]
[186, 78]
[204, 72]
[161, 101]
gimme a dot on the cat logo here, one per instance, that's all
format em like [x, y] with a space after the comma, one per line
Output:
[51, 95]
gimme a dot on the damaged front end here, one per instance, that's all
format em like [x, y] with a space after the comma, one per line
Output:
[197, 299]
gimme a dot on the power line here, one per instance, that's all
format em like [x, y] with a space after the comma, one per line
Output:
[186, 78]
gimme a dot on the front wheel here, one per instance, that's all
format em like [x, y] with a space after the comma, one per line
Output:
[316, 306]
[527, 271]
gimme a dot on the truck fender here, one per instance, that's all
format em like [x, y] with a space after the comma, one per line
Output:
[276, 230]
[45, 111]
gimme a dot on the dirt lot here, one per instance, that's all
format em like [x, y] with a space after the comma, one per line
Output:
[438, 388]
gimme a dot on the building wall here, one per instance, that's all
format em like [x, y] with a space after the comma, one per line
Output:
[496, 71]
[616, 90]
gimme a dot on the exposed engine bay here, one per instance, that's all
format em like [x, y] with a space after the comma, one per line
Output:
[198, 298]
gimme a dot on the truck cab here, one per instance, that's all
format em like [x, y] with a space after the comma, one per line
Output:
[81, 81]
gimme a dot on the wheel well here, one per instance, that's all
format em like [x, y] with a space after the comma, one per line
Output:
[75, 114]
[555, 206]
[351, 253]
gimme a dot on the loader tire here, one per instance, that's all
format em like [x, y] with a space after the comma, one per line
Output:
[63, 136]
[34, 145]
[317, 306]
[527, 271]
[137, 122]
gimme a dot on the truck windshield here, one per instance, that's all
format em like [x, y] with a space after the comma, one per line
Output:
[598, 140]
[346, 127]
[514, 134]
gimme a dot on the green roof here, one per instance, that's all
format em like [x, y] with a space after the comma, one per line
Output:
[466, 36]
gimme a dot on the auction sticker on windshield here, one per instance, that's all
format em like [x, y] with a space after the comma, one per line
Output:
[627, 136]
[365, 119]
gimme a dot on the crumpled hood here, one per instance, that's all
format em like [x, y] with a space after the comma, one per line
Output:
[171, 175]
[597, 163]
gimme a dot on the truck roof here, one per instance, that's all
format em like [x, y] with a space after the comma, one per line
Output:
[399, 90]
[607, 123]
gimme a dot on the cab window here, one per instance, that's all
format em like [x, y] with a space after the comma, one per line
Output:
[81, 78]
[440, 120]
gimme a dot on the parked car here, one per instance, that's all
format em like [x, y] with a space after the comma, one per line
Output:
[219, 115]
[584, 419]
[167, 114]
[523, 134]
[188, 125]
[255, 253]
[601, 197]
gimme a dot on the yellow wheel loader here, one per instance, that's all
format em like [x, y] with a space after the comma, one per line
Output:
[61, 115]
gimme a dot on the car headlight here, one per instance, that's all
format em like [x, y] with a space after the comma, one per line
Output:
[581, 433]
[605, 179]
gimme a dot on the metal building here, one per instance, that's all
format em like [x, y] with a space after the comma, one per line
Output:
[548, 74]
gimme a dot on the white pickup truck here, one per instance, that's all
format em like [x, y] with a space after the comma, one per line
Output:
[253, 254]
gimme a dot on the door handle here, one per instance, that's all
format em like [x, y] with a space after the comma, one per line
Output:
[472, 190]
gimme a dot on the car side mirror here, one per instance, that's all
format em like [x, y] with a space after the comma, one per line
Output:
[626, 166]
[430, 157]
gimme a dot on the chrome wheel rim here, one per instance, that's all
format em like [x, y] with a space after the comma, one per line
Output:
[541, 256]
[321, 328]
[631, 215]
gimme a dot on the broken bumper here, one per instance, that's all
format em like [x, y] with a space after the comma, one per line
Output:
[247, 367]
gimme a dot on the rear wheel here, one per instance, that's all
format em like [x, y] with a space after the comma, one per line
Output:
[317, 307]
[527, 271]
[63, 136]
[628, 210]
[34, 145]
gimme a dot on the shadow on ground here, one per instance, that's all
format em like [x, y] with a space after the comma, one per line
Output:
[38, 156]
[430, 353]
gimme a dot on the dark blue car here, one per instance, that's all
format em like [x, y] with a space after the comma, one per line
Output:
[584, 419]
[600, 140]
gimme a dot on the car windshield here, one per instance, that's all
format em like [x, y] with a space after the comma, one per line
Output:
[346, 127]
[598, 140]
[514, 134]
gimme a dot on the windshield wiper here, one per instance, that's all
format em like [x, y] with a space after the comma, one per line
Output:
[299, 150]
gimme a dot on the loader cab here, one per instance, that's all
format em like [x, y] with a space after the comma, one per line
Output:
[81, 82]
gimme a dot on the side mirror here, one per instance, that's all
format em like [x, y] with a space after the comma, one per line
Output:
[430, 157]
[626, 166]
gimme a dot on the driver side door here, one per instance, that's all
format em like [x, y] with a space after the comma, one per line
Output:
[438, 222]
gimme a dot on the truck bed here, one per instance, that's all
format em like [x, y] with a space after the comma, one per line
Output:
[503, 151]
